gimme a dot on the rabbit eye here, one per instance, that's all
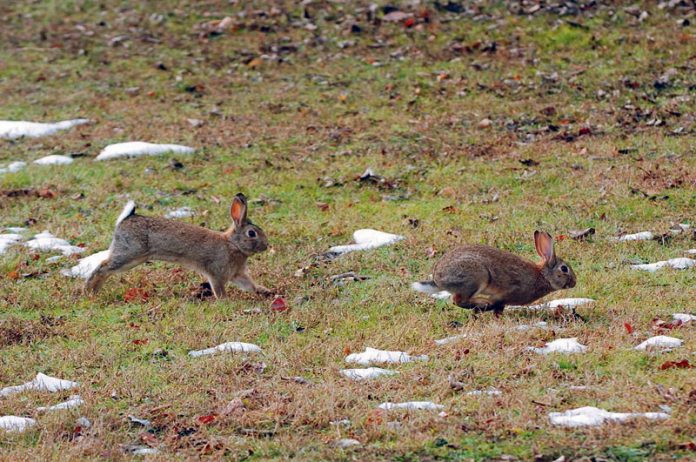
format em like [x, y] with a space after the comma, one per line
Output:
[564, 268]
[251, 233]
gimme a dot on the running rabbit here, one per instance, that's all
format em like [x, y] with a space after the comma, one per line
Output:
[483, 278]
[219, 256]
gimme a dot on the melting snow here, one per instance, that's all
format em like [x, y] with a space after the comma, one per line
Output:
[562, 345]
[676, 263]
[372, 355]
[452, 339]
[13, 167]
[54, 160]
[488, 391]
[564, 302]
[86, 266]
[683, 317]
[227, 347]
[73, 402]
[642, 236]
[366, 239]
[139, 148]
[183, 212]
[594, 417]
[41, 382]
[47, 242]
[412, 406]
[8, 240]
[13, 423]
[539, 325]
[16, 229]
[347, 443]
[661, 341]
[366, 374]
[137, 450]
[691, 251]
[17, 129]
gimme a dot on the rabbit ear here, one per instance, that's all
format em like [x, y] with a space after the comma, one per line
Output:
[239, 210]
[544, 246]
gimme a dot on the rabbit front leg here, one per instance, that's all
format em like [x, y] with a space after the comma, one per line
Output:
[217, 284]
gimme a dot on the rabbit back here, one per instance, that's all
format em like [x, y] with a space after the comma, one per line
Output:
[485, 275]
[192, 246]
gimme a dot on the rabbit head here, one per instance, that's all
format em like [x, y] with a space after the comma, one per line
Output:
[248, 237]
[558, 273]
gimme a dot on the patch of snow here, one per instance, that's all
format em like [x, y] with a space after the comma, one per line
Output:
[41, 382]
[366, 239]
[553, 304]
[54, 160]
[538, 325]
[86, 266]
[561, 345]
[17, 129]
[227, 347]
[12, 423]
[372, 355]
[691, 251]
[594, 417]
[642, 236]
[447, 340]
[183, 212]
[16, 229]
[137, 420]
[8, 240]
[489, 391]
[73, 402]
[139, 148]
[683, 317]
[140, 450]
[346, 443]
[83, 422]
[47, 242]
[412, 406]
[676, 263]
[341, 423]
[13, 167]
[660, 341]
[366, 374]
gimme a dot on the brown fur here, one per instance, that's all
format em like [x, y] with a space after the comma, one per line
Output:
[220, 257]
[485, 278]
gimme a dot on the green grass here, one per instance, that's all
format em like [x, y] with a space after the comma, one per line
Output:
[275, 132]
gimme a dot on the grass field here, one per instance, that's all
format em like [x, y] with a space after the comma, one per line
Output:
[486, 124]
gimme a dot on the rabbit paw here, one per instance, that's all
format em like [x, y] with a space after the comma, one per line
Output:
[261, 290]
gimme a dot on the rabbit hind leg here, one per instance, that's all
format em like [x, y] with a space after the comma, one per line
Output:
[116, 263]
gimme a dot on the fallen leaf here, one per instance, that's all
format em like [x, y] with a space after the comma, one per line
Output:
[629, 328]
[279, 305]
[206, 419]
[140, 341]
[135, 294]
[683, 364]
